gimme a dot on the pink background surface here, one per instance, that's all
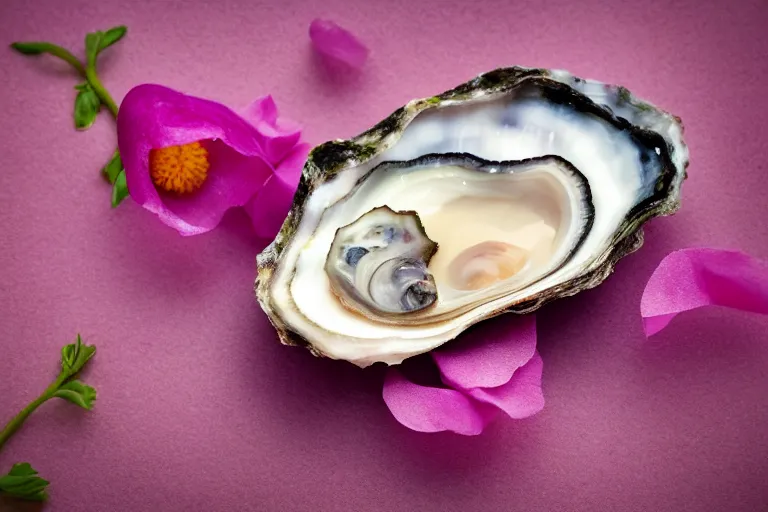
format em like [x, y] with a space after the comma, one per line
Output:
[200, 409]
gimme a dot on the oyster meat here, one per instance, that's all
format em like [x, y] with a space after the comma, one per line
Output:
[514, 189]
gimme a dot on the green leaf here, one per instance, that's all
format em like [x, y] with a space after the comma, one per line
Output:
[113, 168]
[22, 482]
[93, 42]
[74, 356]
[119, 189]
[78, 393]
[112, 36]
[87, 106]
[31, 48]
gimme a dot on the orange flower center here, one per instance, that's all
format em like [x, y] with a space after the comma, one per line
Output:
[180, 169]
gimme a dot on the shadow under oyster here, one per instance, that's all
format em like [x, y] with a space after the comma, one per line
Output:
[511, 190]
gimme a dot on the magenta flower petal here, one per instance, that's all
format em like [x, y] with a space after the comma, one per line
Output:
[697, 277]
[278, 136]
[233, 183]
[498, 371]
[497, 349]
[427, 409]
[519, 398]
[153, 116]
[340, 44]
[262, 110]
[271, 205]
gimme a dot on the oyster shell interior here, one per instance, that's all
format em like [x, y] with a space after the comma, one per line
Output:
[512, 190]
[493, 228]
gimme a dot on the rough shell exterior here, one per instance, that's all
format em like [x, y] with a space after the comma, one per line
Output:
[330, 158]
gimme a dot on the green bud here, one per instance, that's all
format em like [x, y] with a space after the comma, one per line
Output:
[87, 106]
[119, 189]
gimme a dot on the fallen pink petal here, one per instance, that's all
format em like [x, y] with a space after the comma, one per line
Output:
[428, 409]
[338, 43]
[521, 396]
[497, 370]
[696, 277]
[506, 346]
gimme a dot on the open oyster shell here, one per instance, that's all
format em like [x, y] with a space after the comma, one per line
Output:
[511, 190]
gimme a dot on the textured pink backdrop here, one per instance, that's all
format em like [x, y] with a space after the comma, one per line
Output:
[200, 409]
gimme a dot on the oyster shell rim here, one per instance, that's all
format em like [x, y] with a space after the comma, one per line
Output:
[327, 159]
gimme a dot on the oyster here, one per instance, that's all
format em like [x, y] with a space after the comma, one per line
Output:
[514, 189]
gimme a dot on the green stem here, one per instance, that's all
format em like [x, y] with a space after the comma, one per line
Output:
[56, 51]
[20, 418]
[88, 72]
[100, 90]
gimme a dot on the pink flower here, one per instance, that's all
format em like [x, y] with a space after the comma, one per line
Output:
[496, 371]
[188, 160]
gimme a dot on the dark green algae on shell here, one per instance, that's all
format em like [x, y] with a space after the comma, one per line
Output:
[326, 160]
